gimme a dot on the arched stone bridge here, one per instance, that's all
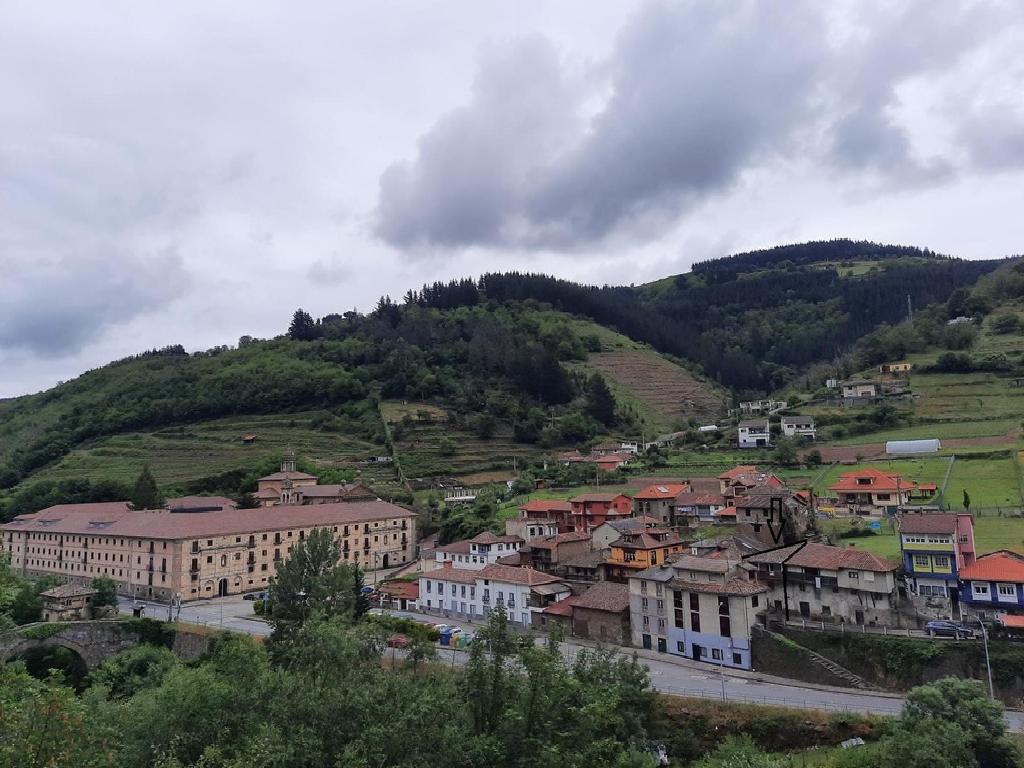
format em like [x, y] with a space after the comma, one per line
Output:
[93, 641]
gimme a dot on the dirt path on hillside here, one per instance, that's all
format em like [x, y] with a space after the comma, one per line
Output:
[848, 454]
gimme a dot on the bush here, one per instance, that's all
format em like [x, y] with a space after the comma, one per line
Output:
[1005, 324]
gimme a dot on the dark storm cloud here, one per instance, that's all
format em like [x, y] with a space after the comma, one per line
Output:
[693, 96]
[54, 309]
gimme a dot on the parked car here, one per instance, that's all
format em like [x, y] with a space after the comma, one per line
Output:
[398, 641]
[949, 629]
[255, 596]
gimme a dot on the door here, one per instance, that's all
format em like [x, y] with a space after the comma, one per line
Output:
[384, 562]
[858, 617]
[647, 642]
[222, 588]
[662, 645]
[805, 609]
[698, 651]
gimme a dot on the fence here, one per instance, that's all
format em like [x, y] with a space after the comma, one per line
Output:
[828, 702]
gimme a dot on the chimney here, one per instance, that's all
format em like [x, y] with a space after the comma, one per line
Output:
[446, 564]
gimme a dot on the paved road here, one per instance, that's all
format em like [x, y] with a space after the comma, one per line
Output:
[667, 676]
[232, 613]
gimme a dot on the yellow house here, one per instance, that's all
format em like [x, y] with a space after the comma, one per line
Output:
[637, 550]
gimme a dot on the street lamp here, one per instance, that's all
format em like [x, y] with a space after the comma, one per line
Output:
[988, 664]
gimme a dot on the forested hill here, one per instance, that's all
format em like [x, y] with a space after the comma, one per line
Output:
[512, 354]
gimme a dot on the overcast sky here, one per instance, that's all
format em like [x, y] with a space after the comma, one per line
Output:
[191, 172]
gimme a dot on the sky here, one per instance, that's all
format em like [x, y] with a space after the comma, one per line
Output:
[188, 173]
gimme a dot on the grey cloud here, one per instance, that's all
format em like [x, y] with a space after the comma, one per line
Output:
[698, 94]
[53, 309]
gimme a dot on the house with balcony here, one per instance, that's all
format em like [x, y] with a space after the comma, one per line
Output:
[473, 594]
[740, 480]
[798, 427]
[659, 501]
[754, 433]
[824, 583]
[699, 608]
[994, 583]
[871, 491]
[696, 509]
[540, 513]
[550, 552]
[475, 553]
[637, 550]
[590, 510]
[935, 549]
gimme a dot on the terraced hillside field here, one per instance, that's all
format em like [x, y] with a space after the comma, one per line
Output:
[179, 454]
[665, 387]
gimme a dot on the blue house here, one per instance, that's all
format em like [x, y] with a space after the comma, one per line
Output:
[994, 582]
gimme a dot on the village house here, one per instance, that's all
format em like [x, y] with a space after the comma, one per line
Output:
[602, 613]
[659, 501]
[871, 491]
[522, 592]
[606, 462]
[538, 515]
[725, 516]
[994, 583]
[637, 550]
[754, 433]
[603, 536]
[825, 583]
[895, 369]
[198, 553]
[696, 509]
[399, 595]
[475, 553]
[798, 427]
[773, 516]
[735, 547]
[586, 568]
[698, 608]
[68, 602]
[589, 510]
[935, 549]
[762, 406]
[550, 552]
[860, 390]
[739, 480]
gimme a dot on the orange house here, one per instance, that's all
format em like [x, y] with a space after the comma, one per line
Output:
[637, 550]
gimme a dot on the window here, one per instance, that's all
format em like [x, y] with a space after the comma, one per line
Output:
[428, 586]
[643, 587]
[826, 610]
[661, 606]
[661, 625]
[737, 659]
[643, 603]
[647, 621]
[724, 626]
[680, 646]
[854, 575]
[716, 654]
[980, 589]
[1007, 590]
[941, 561]
[658, 590]
[921, 561]
[753, 601]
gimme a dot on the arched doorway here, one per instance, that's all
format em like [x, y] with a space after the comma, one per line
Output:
[222, 588]
[384, 562]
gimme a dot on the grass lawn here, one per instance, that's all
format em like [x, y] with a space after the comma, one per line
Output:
[941, 430]
[990, 483]
[990, 534]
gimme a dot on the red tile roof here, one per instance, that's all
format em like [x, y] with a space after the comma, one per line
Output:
[700, 499]
[743, 469]
[546, 505]
[488, 537]
[995, 566]
[605, 596]
[662, 491]
[731, 587]
[561, 607]
[597, 497]
[551, 542]
[727, 512]
[410, 590]
[1008, 620]
[510, 575]
[111, 520]
[824, 557]
[644, 539]
[458, 575]
[879, 481]
[928, 523]
[201, 501]
[288, 476]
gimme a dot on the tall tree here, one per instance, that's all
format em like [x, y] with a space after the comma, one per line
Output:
[967, 501]
[106, 592]
[303, 327]
[360, 600]
[311, 581]
[600, 400]
[145, 494]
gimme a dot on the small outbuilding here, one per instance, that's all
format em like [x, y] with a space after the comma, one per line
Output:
[67, 602]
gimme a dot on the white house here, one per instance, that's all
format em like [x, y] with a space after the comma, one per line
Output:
[754, 433]
[858, 388]
[762, 406]
[798, 426]
[474, 593]
[473, 554]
